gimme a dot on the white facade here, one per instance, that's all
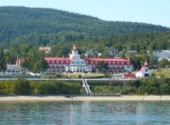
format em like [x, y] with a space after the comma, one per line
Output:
[16, 68]
[77, 64]
[144, 72]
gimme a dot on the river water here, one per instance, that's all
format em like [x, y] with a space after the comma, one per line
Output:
[85, 113]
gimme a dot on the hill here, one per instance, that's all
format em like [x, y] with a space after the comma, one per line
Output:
[22, 21]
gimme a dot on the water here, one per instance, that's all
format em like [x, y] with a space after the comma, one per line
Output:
[85, 113]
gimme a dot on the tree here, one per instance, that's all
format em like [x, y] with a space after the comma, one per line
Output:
[35, 61]
[164, 63]
[153, 61]
[21, 86]
[41, 65]
[101, 66]
[135, 61]
[2, 60]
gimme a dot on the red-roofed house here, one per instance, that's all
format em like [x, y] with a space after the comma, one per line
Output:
[76, 64]
[144, 71]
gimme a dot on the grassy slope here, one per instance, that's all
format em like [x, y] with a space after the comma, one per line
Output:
[162, 72]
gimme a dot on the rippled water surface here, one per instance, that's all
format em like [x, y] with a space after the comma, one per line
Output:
[85, 113]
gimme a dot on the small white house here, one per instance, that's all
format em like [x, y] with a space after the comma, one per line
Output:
[144, 72]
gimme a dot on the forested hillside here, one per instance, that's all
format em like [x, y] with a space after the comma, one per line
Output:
[64, 26]
[23, 30]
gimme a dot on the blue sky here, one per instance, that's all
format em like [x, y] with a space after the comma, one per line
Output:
[147, 11]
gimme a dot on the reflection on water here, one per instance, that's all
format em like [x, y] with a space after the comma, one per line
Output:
[85, 113]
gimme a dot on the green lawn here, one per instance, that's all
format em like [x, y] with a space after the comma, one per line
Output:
[75, 75]
[79, 75]
[162, 72]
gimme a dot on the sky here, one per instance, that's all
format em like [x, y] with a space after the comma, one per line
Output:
[144, 11]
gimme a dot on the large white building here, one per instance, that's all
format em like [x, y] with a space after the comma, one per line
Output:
[75, 64]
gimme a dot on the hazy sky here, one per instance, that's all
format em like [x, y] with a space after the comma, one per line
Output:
[147, 11]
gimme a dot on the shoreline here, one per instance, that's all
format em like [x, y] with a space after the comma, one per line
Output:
[84, 98]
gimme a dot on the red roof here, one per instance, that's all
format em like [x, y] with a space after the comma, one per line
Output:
[88, 59]
[143, 69]
[107, 59]
[56, 58]
[129, 75]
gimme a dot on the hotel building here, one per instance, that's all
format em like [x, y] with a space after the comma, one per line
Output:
[75, 64]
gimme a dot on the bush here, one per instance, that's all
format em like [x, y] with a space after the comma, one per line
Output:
[21, 87]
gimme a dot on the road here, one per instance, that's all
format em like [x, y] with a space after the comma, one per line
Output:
[90, 80]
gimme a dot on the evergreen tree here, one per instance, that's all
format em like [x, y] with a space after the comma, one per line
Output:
[101, 66]
[2, 60]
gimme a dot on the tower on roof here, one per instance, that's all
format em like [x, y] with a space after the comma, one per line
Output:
[74, 54]
[74, 47]
[146, 63]
[128, 58]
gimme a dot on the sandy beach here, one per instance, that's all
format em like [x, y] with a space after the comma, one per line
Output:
[84, 98]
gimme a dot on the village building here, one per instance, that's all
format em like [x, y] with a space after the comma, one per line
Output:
[45, 49]
[75, 64]
[144, 72]
[16, 68]
[162, 54]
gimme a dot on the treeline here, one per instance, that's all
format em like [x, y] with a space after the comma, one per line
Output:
[146, 86]
[149, 86]
[136, 41]
[143, 43]
[23, 30]
[18, 21]
[25, 87]
[31, 57]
